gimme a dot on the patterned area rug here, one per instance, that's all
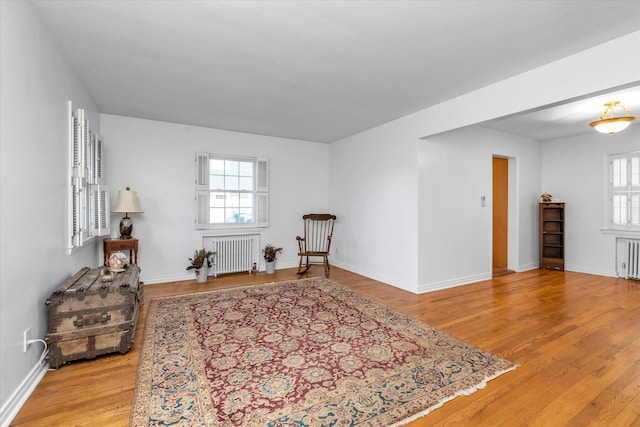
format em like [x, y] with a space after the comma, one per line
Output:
[300, 353]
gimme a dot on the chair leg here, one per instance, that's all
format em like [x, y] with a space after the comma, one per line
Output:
[327, 267]
[300, 270]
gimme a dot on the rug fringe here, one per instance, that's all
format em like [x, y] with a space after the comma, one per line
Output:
[465, 392]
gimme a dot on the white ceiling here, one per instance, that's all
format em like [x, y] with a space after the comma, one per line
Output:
[318, 70]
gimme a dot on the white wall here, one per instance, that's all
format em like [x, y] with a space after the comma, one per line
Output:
[35, 83]
[156, 159]
[373, 192]
[574, 169]
[455, 230]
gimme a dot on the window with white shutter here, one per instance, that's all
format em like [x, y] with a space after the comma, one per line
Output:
[231, 191]
[624, 191]
[88, 215]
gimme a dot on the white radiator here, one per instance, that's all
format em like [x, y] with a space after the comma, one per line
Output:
[233, 254]
[633, 260]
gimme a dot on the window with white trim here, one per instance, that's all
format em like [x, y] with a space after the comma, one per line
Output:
[624, 191]
[231, 191]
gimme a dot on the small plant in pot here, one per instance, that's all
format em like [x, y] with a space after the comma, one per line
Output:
[201, 262]
[270, 253]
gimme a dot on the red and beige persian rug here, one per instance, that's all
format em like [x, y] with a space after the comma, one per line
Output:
[306, 352]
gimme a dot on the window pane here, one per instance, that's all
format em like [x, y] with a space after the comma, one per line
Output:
[619, 172]
[246, 169]
[217, 200]
[216, 182]
[246, 183]
[216, 215]
[619, 209]
[246, 200]
[231, 167]
[216, 167]
[233, 200]
[635, 171]
[238, 215]
[231, 183]
[635, 209]
[246, 214]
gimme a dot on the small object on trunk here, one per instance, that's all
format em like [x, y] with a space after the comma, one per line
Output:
[106, 275]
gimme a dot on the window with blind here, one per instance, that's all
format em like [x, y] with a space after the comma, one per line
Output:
[231, 191]
[624, 191]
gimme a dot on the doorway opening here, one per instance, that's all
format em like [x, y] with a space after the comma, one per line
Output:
[500, 204]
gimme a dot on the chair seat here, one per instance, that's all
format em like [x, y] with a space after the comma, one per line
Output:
[313, 253]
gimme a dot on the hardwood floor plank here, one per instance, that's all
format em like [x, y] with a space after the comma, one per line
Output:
[575, 337]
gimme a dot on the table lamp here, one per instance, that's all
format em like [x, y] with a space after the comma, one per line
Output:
[128, 203]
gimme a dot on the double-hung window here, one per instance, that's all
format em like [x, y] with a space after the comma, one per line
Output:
[624, 191]
[231, 191]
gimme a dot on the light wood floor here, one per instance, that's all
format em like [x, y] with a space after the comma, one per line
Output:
[576, 338]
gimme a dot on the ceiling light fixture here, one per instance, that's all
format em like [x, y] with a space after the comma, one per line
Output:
[608, 123]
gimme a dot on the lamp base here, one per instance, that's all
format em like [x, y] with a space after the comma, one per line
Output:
[126, 227]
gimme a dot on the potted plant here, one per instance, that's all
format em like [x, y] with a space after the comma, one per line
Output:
[270, 252]
[201, 262]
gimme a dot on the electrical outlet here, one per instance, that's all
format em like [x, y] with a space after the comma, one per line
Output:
[27, 340]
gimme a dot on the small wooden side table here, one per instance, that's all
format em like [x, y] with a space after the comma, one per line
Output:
[110, 245]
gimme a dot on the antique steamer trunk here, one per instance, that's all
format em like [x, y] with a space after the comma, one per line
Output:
[89, 317]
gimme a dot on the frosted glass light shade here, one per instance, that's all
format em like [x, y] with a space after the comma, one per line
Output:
[612, 126]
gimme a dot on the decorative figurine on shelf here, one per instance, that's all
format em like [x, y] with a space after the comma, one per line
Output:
[546, 197]
[117, 261]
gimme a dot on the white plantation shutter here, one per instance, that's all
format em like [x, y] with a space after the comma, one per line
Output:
[202, 190]
[77, 231]
[262, 195]
[80, 145]
[90, 155]
[624, 190]
[634, 171]
[634, 189]
[202, 171]
[262, 209]
[76, 157]
[202, 210]
[99, 211]
[95, 159]
[262, 175]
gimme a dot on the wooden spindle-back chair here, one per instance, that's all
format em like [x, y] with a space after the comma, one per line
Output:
[318, 231]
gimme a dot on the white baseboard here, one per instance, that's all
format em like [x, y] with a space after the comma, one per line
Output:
[529, 266]
[19, 397]
[445, 284]
[393, 281]
[589, 270]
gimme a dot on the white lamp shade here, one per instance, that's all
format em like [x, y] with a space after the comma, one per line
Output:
[127, 202]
